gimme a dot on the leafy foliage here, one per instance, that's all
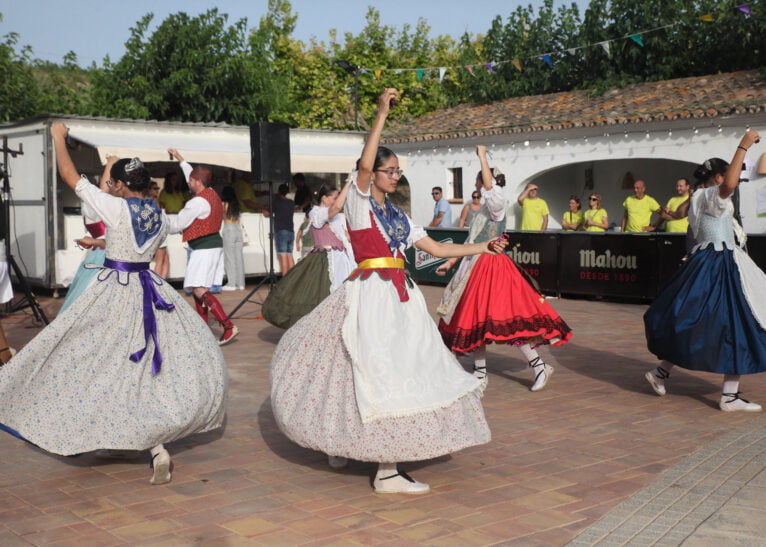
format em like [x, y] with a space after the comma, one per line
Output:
[206, 69]
[190, 69]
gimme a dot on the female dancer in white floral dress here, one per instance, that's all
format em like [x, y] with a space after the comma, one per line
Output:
[366, 375]
[129, 365]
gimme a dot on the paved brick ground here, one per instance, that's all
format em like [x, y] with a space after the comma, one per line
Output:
[559, 461]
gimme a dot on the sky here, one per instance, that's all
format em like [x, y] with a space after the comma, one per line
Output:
[96, 28]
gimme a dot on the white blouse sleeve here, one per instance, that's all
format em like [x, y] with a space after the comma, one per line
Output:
[714, 204]
[495, 202]
[417, 232]
[357, 208]
[105, 206]
[195, 208]
[187, 169]
[319, 216]
[89, 214]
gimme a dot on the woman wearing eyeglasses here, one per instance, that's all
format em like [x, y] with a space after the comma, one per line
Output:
[321, 272]
[595, 219]
[366, 375]
[489, 300]
[470, 209]
[573, 218]
[129, 365]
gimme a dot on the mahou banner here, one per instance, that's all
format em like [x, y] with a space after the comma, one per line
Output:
[537, 253]
[609, 265]
[606, 264]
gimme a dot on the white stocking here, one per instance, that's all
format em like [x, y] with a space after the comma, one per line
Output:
[730, 383]
[387, 469]
[529, 353]
[480, 362]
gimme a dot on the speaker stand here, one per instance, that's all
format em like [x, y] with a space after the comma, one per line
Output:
[29, 300]
[271, 277]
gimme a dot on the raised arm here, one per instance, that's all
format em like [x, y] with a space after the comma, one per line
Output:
[185, 167]
[340, 201]
[486, 171]
[176, 155]
[67, 170]
[731, 178]
[367, 161]
[107, 174]
[525, 193]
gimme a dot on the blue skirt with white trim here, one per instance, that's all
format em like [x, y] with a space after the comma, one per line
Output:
[702, 321]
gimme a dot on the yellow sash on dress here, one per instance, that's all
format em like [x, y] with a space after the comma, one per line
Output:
[381, 262]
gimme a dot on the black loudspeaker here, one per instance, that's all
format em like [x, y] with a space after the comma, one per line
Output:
[270, 152]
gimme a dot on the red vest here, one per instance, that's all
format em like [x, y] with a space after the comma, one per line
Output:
[209, 225]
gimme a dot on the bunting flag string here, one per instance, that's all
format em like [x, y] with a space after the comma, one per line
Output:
[547, 58]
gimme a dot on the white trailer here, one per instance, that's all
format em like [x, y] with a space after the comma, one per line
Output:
[45, 213]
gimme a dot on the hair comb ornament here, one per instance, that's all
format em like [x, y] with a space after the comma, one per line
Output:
[133, 164]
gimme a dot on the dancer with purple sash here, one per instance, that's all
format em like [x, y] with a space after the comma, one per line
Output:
[130, 366]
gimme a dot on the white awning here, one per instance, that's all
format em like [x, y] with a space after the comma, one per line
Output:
[226, 146]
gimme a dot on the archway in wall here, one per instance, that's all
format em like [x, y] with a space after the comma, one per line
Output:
[401, 197]
[613, 179]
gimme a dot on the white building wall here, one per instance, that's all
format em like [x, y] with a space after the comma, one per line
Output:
[658, 155]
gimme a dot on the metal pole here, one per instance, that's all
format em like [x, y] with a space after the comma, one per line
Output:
[356, 99]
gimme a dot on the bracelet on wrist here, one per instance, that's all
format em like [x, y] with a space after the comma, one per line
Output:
[742, 148]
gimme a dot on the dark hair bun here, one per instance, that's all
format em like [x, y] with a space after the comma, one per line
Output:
[132, 173]
[710, 168]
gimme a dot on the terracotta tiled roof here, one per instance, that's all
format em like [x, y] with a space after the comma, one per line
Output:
[684, 98]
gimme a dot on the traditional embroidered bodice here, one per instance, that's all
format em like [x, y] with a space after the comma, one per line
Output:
[121, 244]
[712, 219]
[492, 229]
[325, 238]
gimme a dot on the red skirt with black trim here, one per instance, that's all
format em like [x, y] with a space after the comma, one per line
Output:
[499, 305]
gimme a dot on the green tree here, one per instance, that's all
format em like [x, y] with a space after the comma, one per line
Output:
[63, 89]
[196, 69]
[18, 96]
[405, 59]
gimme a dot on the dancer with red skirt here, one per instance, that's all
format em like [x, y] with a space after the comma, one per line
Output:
[490, 300]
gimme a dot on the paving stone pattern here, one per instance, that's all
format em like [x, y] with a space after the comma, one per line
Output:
[595, 457]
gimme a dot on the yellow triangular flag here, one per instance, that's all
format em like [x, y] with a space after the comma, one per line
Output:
[377, 73]
[517, 64]
[707, 17]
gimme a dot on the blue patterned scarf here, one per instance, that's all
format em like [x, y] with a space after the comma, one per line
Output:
[145, 217]
[394, 222]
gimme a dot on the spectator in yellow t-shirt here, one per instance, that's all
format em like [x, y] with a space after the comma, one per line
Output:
[534, 210]
[595, 219]
[572, 220]
[246, 199]
[175, 193]
[639, 209]
[677, 210]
